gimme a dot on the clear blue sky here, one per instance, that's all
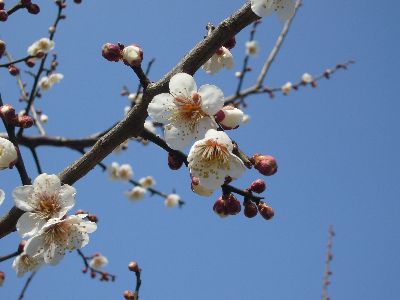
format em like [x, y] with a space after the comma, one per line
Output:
[337, 148]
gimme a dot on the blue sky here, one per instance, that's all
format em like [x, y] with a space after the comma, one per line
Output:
[337, 147]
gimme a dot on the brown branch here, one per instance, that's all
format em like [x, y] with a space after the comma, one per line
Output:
[329, 256]
[16, 7]
[132, 124]
[6, 257]
[28, 281]
[16, 61]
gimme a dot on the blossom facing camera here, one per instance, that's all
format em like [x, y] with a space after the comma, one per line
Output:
[147, 181]
[172, 200]
[44, 200]
[211, 160]
[136, 193]
[187, 112]
[284, 8]
[24, 263]
[252, 48]
[132, 55]
[41, 47]
[8, 154]
[286, 88]
[98, 261]
[222, 58]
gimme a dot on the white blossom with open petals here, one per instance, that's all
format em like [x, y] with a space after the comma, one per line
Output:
[44, 45]
[8, 154]
[211, 160]
[172, 200]
[46, 82]
[147, 181]
[42, 201]
[59, 235]
[113, 170]
[284, 8]
[222, 58]
[188, 112]
[136, 193]
[98, 261]
[252, 48]
[2, 196]
[24, 263]
[125, 172]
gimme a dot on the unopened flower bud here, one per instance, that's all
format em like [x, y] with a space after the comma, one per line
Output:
[265, 211]
[3, 15]
[265, 164]
[52, 29]
[2, 48]
[8, 154]
[111, 52]
[286, 88]
[219, 207]
[80, 212]
[44, 118]
[258, 186]
[93, 218]
[133, 266]
[250, 209]
[230, 43]
[93, 274]
[7, 112]
[232, 205]
[2, 278]
[132, 55]
[13, 70]
[229, 117]
[33, 9]
[84, 270]
[174, 162]
[129, 295]
[21, 246]
[30, 62]
[25, 121]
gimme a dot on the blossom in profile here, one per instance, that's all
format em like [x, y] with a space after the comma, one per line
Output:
[307, 78]
[187, 112]
[24, 263]
[286, 88]
[211, 160]
[229, 117]
[132, 55]
[147, 181]
[40, 47]
[46, 82]
[113, 170]
[284, 8]
[172, 200]
[136, 193]
[44, 200]
[8, 154]
[58, 236]
[222, 58]
[98, 261]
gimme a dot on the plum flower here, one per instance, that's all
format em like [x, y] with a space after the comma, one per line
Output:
[136, 193]
[172, 200]
[46, 82]
[59, 235]
[222, 58]
[284, 8]
[8, 154]
[211, 160]
[98, 261]
[42, 46]
[42, 201]
[186, 111]
[24, 263]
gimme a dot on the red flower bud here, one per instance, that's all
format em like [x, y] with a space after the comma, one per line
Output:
[174, 162]
[3, 15]
[250, 209]
[25, 2]
[129, 295]
[265, 211]
[30, 62]
[78, 1]
[231, 43]
[219, 207]
[13, 70]
[111, 52]
[93, 218]
[1, 4]
[7, 112]
[25, 121]
[21, 246]
[134, 267]
[265, 164]
[258, 186]
[232, 205]
[33, 9]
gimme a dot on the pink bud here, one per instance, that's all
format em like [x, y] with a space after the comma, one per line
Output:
[7, 111]
[174, 162]
[250, 209]
[265, 211]
[3, 15]
[258, 186]
[25, 121]
[30, 62]
[133, 266]
[33, 9]
[129, 295]
[265, 164]
[93, 218]
[232, 205]
[13, 70]
[111, 52]
[220, 208]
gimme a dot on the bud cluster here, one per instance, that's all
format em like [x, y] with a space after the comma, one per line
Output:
[131, 55]
[227, 205]
[7, 113]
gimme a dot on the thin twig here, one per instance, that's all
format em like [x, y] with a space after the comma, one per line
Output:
[36, 159]
[6, 65]
[15, 8]
[329, 256]
[8, 256]
[105, 276]
[28, 281]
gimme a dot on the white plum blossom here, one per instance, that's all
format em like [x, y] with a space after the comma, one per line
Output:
[44, 200]
[284, 8]
[46, 82]
[2, 196]
[132, 55]
[44, 118]
[24, 263]
[59, 235]
[98, 261]
[113, 170]
[222, 58]
[172, 200]
[136, 193]
[125, 172]
[252, 48]
[8, 154]
[147, 181]
[44, 45]
[188, 112]
[238, 74]
[201, 190]
[211, 160]
[229, 117]
[307, 78]
[286, 88]
[246, 119]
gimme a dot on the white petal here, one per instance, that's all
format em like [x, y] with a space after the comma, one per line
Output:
[22, 197]
[212, 99]
[29, 224]
[178, 138]
[54, 254]
[221, 137]
[182, 85]
[262, 7]
[161, 108]
[47, 184]
[203, 127]
[66, 198]
[90, 226]
[34, 245]
[2, 196]
[237, 167]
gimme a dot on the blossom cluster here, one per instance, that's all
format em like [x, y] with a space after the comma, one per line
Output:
[49, 230]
